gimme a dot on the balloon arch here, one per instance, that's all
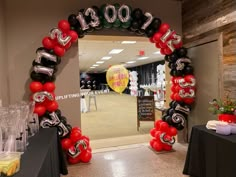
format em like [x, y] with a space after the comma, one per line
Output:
[60, 39]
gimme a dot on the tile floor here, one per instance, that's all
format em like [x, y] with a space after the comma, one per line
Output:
[136, 160]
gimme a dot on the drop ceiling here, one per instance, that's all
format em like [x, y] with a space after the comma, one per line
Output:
[92, 48]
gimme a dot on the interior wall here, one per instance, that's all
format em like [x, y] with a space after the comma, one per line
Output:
[31, 21]
[3, 58]
[207, 21]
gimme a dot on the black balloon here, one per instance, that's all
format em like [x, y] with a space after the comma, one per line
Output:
[150, 32]
[188, 70]
[63, 119]
[173, 57]
[182, 52]
[173, 72]
[171, 111]
[134, 26]
[156, 23]
[169, 120]
[137, 14]
[58, 112]
[37, 77]
[179, 126]
[73, 20]
[171, 65]
[167, 58]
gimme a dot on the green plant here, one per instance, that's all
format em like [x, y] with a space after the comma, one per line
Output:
[226, 106]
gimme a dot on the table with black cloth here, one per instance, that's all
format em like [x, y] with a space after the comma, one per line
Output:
[44, 156]
[210, 154]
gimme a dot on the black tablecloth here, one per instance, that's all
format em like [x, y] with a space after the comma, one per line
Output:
[210, 154]
[44, 156]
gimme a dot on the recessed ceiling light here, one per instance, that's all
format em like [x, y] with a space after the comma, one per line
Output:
[115, 51]
[106, 58]
[95, 65]
[92, 67]
[143, 58]
[157, 53]
[100, 62]
[131, 62]
[128, 42]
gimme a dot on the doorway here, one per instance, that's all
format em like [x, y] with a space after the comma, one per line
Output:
[114, 116]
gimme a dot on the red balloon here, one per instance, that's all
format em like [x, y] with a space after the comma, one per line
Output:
[64, 26]
[73, 35]
[158, 45]
[164, 127]
[177, 88]
[157, 135]
[89, 149]
[158, 146]
[86, 157]
[172, 96]
[85, 138]
[36, 86]
[162, 44]
[164, 28]
[172, 131]
[172, 88]
[167, 147]
[189, 78]
[59, 50]
[168, 51]
[153, 132]
[68, 45]
[66, 143]
[75, 129]
[48, 43]
[177, 97]
[151, 142]
[52, 106]
[179, 45]
[189, 100]
[39, 109]
[162, 51]
[156, 37]
[151, 40]
[73, 160]
[75, 136]
[158, 124]
[49, 87]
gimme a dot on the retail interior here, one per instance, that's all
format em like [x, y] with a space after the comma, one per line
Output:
[117, 89]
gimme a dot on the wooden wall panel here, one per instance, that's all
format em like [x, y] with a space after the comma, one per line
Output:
[200, 12]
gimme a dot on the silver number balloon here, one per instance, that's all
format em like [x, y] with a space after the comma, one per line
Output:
[43, 70]
[185, 84]
[62, 130]
[127, 14]
[177, 39]
[81, 142]
[114, 13]
[148, 21]
[82, 21]
[165, 36]
[40, 97]
[43, 54]
[184, 94]
[181, 63]
[73, 152]
[183, 109]
[57, 33]
[95, 19]
[178, 118]
[167, 141]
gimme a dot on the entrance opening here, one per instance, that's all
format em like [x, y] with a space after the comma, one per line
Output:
[107, 117]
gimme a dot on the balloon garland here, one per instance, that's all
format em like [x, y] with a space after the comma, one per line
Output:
[67, 32]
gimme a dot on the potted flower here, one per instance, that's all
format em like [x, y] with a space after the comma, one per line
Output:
[226, 109]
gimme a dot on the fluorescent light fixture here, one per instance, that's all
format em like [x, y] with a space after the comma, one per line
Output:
[157, 53]
[100, 62]
[143, 58]
[128, 42]
[92, 67]
[106, 58]
[95, 65]
[115, 51]
[129, 62]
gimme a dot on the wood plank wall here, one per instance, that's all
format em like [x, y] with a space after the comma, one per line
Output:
[196, 13]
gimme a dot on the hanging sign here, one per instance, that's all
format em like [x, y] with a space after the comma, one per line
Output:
[117, 78]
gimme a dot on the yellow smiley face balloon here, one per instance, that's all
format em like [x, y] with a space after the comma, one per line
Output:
[117, 78]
